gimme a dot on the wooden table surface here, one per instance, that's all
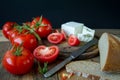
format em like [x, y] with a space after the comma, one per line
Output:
[33, 75]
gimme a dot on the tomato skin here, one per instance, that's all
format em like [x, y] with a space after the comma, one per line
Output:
[55, 38]
[18, 64]
[27, 40]
[48, 55]
[7, 27]
[12, 34]
[43, 29]
[73, 40]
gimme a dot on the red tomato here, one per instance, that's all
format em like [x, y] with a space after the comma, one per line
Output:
[43, 27]
[15, 32]
[73, 41]
[55, 38]
[28, 41]
[46, 54]
[19, 62]
[12, 34]
[7, 27]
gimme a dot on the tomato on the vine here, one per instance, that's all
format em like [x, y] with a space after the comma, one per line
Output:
[27, 40]
[46, 54]
[12, 34]
[73, 40]
[7, 27]
[42, 26]
[18, 60]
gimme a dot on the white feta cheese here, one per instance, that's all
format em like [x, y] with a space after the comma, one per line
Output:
[72, 28]
[86, 35]
[82, 32]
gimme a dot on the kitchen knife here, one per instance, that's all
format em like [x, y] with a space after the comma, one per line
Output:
[73, 55]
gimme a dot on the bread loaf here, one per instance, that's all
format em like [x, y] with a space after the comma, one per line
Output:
[109, 48]
[90, 70]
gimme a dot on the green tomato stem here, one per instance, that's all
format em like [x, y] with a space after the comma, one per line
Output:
[18, 50]
[42, 70]
[33, 32]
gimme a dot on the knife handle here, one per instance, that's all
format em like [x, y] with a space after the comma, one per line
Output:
[58, 67]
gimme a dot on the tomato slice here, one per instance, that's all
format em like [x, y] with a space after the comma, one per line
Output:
[46, 54]
[73, 40]
[55, 38]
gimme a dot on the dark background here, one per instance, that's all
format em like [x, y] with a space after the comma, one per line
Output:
[93, 13]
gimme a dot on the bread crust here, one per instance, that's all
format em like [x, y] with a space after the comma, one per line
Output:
[113, 56]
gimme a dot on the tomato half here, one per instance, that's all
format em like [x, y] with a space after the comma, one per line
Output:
[55, 38]
[28, 41]
[73, 40]
[46, 54]
[18, 64]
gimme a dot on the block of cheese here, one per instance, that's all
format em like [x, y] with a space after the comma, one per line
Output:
[72, 28]
[86, 35]
[109, 48]
[82, 32]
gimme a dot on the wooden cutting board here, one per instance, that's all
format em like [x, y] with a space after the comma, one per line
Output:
[65, 50]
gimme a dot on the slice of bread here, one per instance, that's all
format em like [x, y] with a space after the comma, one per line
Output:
[109, 48]
[90, 70]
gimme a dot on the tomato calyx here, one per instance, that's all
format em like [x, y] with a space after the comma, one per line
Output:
[18, 28]
[44, 69]
[39, 23]
[17, 50]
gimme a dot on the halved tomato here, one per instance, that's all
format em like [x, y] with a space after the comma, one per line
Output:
[46, 54]
[73, 40]
[55, 38]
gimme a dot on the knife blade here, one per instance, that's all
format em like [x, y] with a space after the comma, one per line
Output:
[73, 55]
